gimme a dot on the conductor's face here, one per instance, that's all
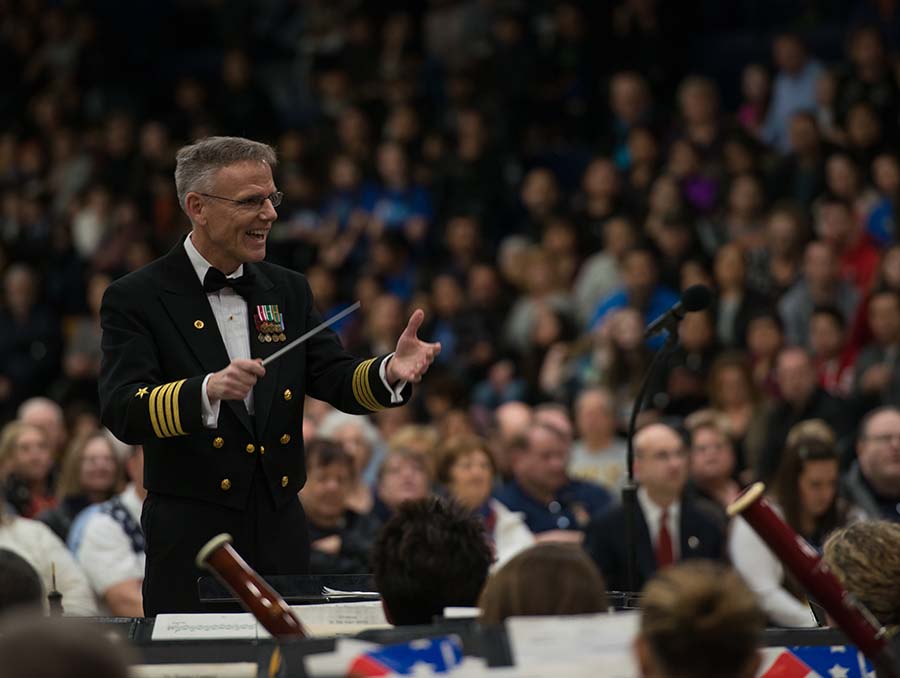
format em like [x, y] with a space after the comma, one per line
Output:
[232, 221]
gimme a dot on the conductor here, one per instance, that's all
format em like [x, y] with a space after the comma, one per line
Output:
[183, 342]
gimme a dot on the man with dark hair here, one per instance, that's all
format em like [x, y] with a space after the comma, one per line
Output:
[873, 482]
[641, 289]
[430, 555]
[801, 399]
[555, 506]
[20, 584]
[877, 370]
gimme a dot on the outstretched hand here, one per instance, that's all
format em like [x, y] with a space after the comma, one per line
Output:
[412, 355]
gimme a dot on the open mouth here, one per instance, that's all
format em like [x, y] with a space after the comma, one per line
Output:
[257, 235]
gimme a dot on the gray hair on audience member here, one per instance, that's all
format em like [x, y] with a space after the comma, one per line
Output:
[197, 163]
[334, 421]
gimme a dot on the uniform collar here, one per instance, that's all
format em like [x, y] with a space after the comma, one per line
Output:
[200, 264]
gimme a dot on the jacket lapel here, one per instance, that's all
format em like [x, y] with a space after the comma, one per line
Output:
[189, 309]
[265, 293]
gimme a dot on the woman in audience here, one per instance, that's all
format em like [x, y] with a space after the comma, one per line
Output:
[712, 459]
[698, 620]
[865, 556]
[361, 441]
[43, 550]
[92, 473]
[466, 469]
[341, 539]
[26, 465]
[403, 476]
[805, 492]
[546, 579]
[734, 396]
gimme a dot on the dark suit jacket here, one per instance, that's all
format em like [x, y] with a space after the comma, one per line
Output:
[702, 536]
[160, 340]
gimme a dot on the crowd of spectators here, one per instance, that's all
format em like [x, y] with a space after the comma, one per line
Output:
[543, 178]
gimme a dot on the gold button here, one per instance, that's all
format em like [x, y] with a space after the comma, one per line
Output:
[225, 484]
[198, 324]
[262, 449]
[218, 442]
[251, 448]
[285, 439]
[287, 394]
[284, 481]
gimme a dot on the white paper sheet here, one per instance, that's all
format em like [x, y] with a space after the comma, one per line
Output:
[239, 625]
[605, 638]
[236, 670]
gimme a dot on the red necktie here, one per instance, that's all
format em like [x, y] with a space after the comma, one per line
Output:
[664, 555]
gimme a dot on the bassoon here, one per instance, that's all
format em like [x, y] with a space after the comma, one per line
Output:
[807, 566]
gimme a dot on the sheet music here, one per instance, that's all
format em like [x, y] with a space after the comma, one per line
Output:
[606, 638]
[238, 625]
[236, 670]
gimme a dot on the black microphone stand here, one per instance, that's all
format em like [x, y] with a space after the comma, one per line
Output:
[629, 492]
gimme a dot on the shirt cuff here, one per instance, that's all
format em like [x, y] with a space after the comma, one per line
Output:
[395, 391]
[209, 410]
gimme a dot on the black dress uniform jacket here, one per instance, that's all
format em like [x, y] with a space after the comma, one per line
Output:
[160, 340]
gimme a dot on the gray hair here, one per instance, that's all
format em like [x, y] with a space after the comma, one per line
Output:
[336, 420]
[196, 164]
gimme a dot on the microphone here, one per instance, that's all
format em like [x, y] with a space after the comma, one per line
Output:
[694, 298]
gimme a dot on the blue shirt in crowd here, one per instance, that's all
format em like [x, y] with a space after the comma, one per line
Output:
[572, 507]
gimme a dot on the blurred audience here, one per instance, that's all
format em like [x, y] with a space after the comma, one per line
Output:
[555, 507]
[670, 527]
[92, 473]
[26, 468]
[805, 491]
[467, 472]
[873, 481]
[341, 539]
[108, 542]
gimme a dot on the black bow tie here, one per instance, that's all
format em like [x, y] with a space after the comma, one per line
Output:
[216, 280]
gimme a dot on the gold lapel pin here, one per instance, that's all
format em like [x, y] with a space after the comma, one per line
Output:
[199, 324]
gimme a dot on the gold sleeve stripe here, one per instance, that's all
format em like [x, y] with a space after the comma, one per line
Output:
[358, 375]
[178, 430]
[151, 403]
[161, 410]
[167, 404]
[367, 387]
[164, 413]
[361, 377]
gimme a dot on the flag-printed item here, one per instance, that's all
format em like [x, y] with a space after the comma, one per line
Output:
[440, 655]
[269, 323]
[815, 661]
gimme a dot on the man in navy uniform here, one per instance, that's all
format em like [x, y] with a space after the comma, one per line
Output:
[182, 374]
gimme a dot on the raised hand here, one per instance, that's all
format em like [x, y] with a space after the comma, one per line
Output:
[412, 355]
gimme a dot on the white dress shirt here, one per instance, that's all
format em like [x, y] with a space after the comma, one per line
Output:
[105, 553]
[230, 311]
[653, 515]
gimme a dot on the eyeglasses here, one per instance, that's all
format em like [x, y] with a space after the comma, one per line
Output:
[255, 202]
[884, 438]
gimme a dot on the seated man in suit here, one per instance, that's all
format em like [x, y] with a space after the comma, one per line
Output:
[669, 527]
[555, 507]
